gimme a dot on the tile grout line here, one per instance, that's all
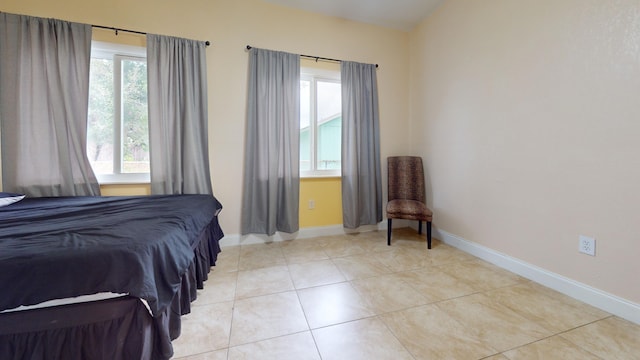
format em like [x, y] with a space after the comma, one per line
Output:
[396, 336]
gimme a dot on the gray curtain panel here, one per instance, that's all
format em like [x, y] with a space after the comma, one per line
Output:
[271, 186]
[44, 92]
[361, 177]
[178, 119]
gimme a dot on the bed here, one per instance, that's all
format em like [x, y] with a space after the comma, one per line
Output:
[126, 268]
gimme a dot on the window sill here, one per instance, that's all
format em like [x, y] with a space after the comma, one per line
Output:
[123, 179]
[320, 176]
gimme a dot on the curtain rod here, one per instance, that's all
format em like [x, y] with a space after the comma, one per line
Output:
[312, 57]
[207, 43]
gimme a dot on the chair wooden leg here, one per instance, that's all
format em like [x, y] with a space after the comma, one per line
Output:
[419, 227]
[389, 232]
[428, 234]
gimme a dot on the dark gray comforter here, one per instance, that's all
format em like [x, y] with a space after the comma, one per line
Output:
[70, 246]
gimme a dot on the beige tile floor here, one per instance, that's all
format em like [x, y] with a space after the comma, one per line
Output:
[354, 297]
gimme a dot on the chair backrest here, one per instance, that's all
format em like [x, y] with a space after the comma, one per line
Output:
[405, 178]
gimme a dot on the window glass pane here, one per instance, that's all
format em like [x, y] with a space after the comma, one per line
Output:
[135, 125]
[305, 121]
[100, 117]
[329, 99]
[329, 125]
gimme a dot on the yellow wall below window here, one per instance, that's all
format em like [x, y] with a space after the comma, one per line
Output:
[326, 193]
[125, 189]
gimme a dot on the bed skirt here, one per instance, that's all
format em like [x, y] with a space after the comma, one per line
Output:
[120, 328]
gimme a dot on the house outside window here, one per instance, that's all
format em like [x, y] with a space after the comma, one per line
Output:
[320, 123]
[118, 127]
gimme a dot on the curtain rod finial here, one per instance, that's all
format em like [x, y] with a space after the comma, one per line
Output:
[248, 47]
[207, 43]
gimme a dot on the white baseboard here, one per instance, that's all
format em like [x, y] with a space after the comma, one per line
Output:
[585, 293]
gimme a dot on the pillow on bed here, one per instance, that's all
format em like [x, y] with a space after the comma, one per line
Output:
[9, 198]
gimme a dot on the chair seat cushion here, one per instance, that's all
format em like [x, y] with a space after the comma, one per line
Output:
[408, 209]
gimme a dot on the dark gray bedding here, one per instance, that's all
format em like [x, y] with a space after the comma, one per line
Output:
[63, 247]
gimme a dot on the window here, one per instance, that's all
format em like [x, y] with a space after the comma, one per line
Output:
[320, 123]
[118, 128]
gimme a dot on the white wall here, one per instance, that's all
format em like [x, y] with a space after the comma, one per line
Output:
[528, 116]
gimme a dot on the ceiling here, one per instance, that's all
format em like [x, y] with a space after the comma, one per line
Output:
[396, 14]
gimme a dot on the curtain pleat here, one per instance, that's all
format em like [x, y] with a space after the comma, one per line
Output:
[178, 118]
[44, 92]
[271, 184]
[361, 176]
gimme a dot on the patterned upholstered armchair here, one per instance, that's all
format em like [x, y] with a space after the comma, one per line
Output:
[406, 198]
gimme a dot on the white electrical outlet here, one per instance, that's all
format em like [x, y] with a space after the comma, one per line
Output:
[587, 245]
[312, 204]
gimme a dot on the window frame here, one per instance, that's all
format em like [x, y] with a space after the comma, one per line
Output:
[314, 75]
[118, 53]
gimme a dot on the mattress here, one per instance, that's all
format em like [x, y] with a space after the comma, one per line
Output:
[69, 301]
